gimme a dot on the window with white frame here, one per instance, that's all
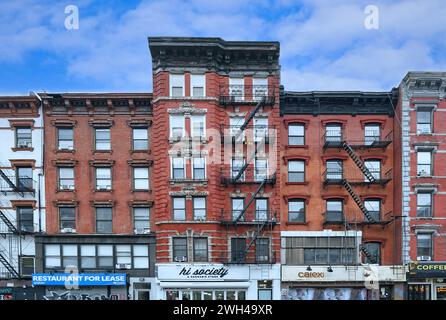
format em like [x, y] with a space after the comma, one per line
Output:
[177, 126]
[66, 178]
[198, 85]
[102, 139]
[259, 88]
[424, 163]
[65, 139]
[176, 82]
[374, 166]
[260, 169]
[141, 178]
[140, 137]
[260, 129]
[237, 89]
[424, 204]
[103, 178]
[179, 208]
[424, 246]
[373, 207]
[198, 168]
[141, 218]
[236, 165]
[199, 204]
[237, 208]
[424, 121]
[198, 126]
[178, 168]
[234, 128]
[200, 249]
[372, 133]
[140, 256]
[296, 134]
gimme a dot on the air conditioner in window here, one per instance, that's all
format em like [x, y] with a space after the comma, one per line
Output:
[67, 148]
[104, 187]
[142, 230]
[68, 230]
[180, 259]
[201, 219]
[67, 187]
[423, 131]
[123, 266]
[423, 174]
[424, 258]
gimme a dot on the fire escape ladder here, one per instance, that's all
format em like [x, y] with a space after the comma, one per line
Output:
[250, 201]
[255, 236]
[8, 223]
[251, 115]
[358, 161]
[11, 184]
[357, 200]
[7, 264]
[367, 254]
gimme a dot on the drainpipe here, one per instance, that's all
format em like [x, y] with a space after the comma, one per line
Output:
[42, 156]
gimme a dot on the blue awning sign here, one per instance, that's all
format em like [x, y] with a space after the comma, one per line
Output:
[82, 279]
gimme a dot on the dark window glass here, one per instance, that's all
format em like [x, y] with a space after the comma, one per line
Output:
[238, 247]
[26, 219]
[296, 210]
[67, 217]
[23, 137]
[179, 249]
[262, 250]
[104, 220]
[200, 249]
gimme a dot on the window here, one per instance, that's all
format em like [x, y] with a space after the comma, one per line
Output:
[197, 84]
[236, 89]
[374, 166]
[140, 257]
[296, 210]
[26, 219]
[334, 211]
[141, 218]
[262, 250]
[237, 208]
[259, 88]
[65, 139]
[103, 179]
[67, 217]
[260, 129]
[69, 258]
[372, 133]
[296, 134]
[23, 137]
[176, 126]
[179, 249]
[260, 169]
[140, 138]
[105, 256]
[373, 207]
[141, 178]
[236, 166]
[333, 133]
[424, 159]
[234, 125]
[332, 250]
[104, 220]
[296, 171]
[27, 266]
[25, 178]
[200, 249]
[199, 208]
[178, 168]
[176, 85]
[88, 256]
[424, 204]
[334, 169]
[373, 250]
[424, 121]
[262, 209]
[238, 248]
[52, 256]
[198, 126]
[66, 178]
[179, 208]
[124, 254]
[199, 168]
[265, 289]
[424, 246]
[102, 139]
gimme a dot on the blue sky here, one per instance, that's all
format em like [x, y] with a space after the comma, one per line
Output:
[324, 44]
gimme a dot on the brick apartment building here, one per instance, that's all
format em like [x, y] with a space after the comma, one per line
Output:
[97, 169]
[422, 109]
[223, 185]
[215, 136]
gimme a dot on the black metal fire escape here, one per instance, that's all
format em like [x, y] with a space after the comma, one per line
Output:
[7, 264]
[11, 227]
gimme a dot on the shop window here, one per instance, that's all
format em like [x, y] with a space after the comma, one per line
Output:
[296, 134]
[23, 137]
[418, 291]
[65, 139]
[179, 249]
[25, 219]
[140, 137]
[179, 208]
[104, 220]
[102, 139]
[172, 295]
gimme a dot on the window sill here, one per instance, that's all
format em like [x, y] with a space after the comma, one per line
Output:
[142, 190]
[424, 177]
[179, 181]
[101, 151]
[424, 218]
[99, 190]
[296, 223]
[64, 151]
[304, 146]
[148, 151]
[65, 190]
[297, 183]
[15, 149]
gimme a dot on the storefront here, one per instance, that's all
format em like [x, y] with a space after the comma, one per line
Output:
[342, 283]
[92, 286]
[426, 281]
[218, 282]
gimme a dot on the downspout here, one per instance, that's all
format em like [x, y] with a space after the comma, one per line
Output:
[42, 156]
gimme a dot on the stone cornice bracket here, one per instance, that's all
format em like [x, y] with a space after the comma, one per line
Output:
[110, 107]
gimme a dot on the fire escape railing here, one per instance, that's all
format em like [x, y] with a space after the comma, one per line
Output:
[235, 94]
[8, 264]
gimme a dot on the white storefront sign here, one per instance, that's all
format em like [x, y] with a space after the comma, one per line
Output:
[202, 272]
